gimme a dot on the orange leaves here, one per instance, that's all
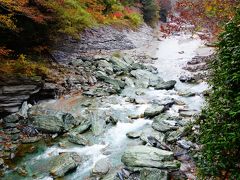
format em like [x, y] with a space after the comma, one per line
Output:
[210, 14]
[4, 51]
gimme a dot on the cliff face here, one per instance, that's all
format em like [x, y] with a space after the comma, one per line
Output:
[15, 90]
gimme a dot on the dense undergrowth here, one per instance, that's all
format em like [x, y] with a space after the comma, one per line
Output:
[220, 127]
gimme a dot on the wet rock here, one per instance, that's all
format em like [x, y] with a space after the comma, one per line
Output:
[101, 167]
[129, 82]
[51, 120]
[175, 135]
[153, 174]
[13, 118]
[119, 65]
[1, 162]
[185, 78]
[105, 66]
[117, 84]
[185, 144]
[164, 125]
[134, 135]
[153, 111]
[23, 110]
[188, 113]
[22, 171]
[84, 126]
[98, 119]
[128, 60]
[187, 94]
[158, 144]
[63, 163]
[150, 132]
[78, 139]
[27, 140]
[145, 78]
[140, 100]
[166, 85]
[145, 156]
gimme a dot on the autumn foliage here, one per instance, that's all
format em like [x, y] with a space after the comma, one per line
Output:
[208, 14]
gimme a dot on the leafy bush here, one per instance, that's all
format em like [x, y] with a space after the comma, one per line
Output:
[23, 66]
[220, 129]
[150, 10]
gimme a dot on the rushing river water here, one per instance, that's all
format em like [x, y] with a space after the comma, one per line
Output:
[173, 53]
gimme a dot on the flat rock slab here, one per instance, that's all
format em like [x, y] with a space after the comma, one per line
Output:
[153, 111]
[146, 156]
[64, 163]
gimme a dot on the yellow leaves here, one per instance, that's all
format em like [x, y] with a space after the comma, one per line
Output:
[23, 66]
[7, 22]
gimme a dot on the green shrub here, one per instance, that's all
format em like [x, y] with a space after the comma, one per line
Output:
[220, 129]
[150, 11]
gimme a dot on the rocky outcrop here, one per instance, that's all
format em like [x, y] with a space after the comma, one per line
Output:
[100, 39]
[15, 90]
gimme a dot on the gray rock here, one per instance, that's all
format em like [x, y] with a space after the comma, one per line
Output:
[166, 85]
[84, 126]
[150, 132]
[119, 65]
[13, 118]
[134, 135]
[101, 167]
[24, 109]
[129, 82]
[145, 156]
[105, 66]
[185, 144]
[175, 135]
[78, 139]
[164, 125]
[188, 113]
[153, 111]
[117, 84]
[145, 78]
[153, 174]
[128, 60]
[63, 163]
[51, 121]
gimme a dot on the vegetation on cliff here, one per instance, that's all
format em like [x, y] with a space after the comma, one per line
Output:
[30, 26]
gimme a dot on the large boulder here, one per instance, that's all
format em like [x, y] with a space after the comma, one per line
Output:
[146, 156]
[51, 121]
[64, 163]
[101, 167]
[78, 139]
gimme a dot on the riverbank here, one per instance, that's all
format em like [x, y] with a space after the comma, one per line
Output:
[139, 95]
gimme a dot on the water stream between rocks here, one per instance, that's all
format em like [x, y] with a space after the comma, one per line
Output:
[110, 141]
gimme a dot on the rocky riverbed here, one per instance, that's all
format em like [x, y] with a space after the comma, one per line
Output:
[131, 122]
